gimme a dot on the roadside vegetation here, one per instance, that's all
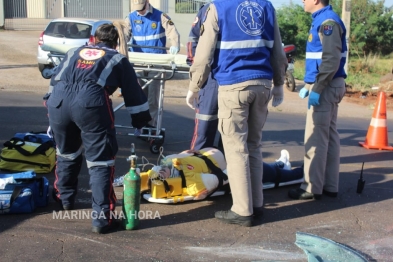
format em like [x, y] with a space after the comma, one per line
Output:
[370, 41]
[363, 74]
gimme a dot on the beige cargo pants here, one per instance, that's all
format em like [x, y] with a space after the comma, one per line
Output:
[242, 115]
[322, 141]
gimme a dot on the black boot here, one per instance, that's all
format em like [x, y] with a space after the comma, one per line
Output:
[231, 217]
[301, 194]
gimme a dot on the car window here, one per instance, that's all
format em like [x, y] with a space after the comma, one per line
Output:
[83, 30]
[68, 30]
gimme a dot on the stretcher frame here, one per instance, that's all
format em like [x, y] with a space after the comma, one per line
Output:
[155, 136]
[165, 71]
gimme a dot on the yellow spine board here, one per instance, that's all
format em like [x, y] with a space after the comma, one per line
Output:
[175, 189]
[144, 181]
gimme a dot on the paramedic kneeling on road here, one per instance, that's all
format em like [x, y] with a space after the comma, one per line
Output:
[244, 39]
[80, 113]
[151, 27]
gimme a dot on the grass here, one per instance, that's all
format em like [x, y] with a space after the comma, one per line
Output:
[363, 73]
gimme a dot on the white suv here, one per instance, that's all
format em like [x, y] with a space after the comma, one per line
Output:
[70, 32]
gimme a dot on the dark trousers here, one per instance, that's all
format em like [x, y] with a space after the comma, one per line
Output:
[84, 116]
[272, 172]
[206, 120]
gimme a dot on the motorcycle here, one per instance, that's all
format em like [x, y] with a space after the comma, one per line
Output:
[290, 83]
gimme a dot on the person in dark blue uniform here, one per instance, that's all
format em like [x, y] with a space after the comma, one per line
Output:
[81, 116]
[206, 108]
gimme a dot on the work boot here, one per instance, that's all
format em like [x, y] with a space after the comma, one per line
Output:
[329, 194]
[301, 194]
[112, 227]
[67, 206]
[231, 217]
[257, 212]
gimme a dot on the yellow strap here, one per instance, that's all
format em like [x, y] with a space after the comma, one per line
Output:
[185, 193]
[177, 199]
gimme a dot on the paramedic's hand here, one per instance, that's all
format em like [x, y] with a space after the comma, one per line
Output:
[313, 100]
[192, 99]
[278, 95]
[173, 50]
[303, 93]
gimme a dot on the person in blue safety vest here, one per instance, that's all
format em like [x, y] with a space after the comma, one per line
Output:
[240, 43]
[81, 117]
[206, 108]
[148, 26]
[326, 53]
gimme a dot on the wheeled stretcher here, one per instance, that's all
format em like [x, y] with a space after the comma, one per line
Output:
[163, 66]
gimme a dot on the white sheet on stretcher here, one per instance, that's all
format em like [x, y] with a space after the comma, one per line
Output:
[141, 59]
[147, 59]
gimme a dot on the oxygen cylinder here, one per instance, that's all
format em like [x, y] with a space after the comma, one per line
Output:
[131, 194]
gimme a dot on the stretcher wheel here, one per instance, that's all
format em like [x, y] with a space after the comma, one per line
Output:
[156, 143]
[155, 148]
[47, 73]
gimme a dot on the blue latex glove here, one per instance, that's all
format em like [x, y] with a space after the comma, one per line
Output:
[303, 93]
[173, 50]
[313, 100]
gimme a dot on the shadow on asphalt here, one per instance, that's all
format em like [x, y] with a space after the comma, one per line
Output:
[16, 66]
[179, 127]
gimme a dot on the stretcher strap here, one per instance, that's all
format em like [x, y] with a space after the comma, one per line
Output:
[185, 193]
[183, 185]
[183, 179]
[177, 199]
[215, 170]
[166, 186]
[17, 143]
[221, 176]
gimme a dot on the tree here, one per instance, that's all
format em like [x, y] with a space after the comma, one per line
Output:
[294, 26]
[371, 26]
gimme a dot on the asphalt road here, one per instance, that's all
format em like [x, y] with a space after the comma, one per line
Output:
[189, 231]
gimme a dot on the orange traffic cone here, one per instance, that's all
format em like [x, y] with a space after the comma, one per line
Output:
[377, 134]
